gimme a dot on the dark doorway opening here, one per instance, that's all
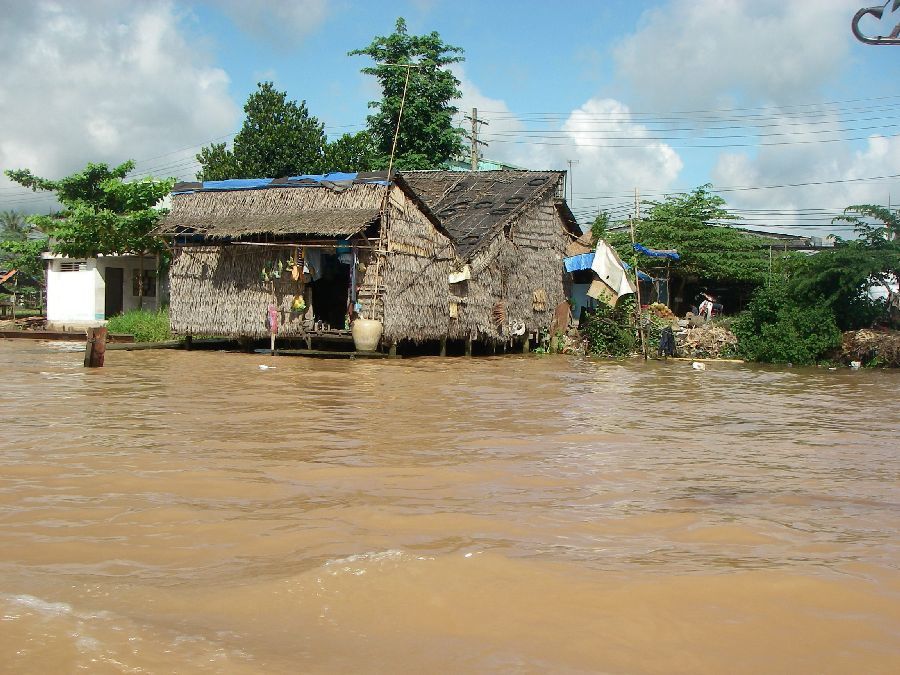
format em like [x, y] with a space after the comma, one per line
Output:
[114, 278]
[330, 292]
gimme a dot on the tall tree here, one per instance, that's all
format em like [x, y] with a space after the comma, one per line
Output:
[278, 138]
[351, 152]
[427, 137]
[102, 212]
[13, 226]
[696, 225]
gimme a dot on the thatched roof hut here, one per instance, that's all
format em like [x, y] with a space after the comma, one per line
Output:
[434, 255]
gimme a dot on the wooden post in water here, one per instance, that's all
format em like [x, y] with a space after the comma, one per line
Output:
[95, 348]
[392, 351]
[443, 346]
[188, 342]
[469, 346]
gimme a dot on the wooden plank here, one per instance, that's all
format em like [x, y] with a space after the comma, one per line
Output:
[325, 354]
[59, 335]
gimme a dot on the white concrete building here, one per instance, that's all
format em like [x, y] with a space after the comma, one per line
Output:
[87, 291]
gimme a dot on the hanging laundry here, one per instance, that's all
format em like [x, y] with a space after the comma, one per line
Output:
[312, 262]
[272, 318]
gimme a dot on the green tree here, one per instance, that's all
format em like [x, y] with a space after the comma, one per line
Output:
[351, 152]
[13, 226]
[427, 137]
[218, 163]
[278, 138]
[696, 225]
[841, 277]
[600, 226]
[102, 212]
[778, 328]
[24, 256]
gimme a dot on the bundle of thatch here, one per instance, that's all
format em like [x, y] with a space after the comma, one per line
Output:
[868, 346]
[706, 342]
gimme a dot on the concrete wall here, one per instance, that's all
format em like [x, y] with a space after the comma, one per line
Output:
[78, 298]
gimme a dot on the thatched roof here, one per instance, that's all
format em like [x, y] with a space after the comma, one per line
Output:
[474, 205]
[309, 210]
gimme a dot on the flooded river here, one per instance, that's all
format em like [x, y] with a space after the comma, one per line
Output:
[190, 512]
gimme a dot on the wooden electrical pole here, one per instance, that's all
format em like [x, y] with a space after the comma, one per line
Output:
[473, 139]
[637, 275]
[571, 163]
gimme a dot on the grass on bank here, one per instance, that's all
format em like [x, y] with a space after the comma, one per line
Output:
[146, 326]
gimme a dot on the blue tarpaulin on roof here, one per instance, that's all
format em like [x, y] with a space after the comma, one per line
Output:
[306, 180]
[576, 263]
[236, 184]
[333, 177]
[657, 253]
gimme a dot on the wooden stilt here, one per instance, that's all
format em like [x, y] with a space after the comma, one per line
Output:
[469, 347]
[526, 345]
[188, 342]
[443, 347]
[95, 348]
[392, 352]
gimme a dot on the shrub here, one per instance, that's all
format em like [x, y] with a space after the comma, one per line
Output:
[775, 328]
[144, 325]
[610, 331]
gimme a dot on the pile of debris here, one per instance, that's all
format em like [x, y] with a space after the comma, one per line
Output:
[872, 348]
[709, 341]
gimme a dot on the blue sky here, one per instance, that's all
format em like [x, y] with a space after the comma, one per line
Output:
[779, 92]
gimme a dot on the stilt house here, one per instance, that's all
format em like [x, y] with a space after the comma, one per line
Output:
[433, 255]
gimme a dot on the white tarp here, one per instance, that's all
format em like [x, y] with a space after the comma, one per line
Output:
[609, 268]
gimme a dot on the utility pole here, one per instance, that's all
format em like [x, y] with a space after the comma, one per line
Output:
[637, 275]
[572, 162]
[473, 138]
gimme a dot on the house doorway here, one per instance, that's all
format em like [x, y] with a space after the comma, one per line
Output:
[331, 291]
[114, 277]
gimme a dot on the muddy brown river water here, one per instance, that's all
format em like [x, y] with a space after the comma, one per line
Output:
[189, 512]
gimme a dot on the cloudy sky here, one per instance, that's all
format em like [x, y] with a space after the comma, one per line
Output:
[657, 97]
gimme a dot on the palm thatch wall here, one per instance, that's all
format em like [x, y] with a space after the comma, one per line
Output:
[416, 259]
[537, 245]
[218, 290]
[517, 278]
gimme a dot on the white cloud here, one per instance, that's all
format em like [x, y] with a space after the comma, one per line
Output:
[103, 82]
[589, 135]
[280, 22]
[712, 53]
[841, 168]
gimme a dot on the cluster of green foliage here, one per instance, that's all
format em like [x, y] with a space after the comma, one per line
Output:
[798, 316]
[611, 331]
[776, 328]
[280, 138]
[19, 251]
[102, 212]
[696, 225]
[145, 326]
[599, 227]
